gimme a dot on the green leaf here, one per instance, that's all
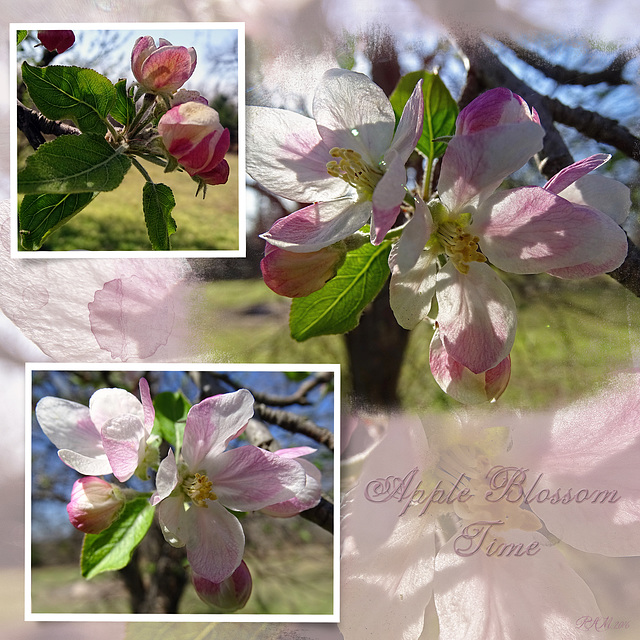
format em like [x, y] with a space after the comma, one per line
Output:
[111, 549]
[74, 164]
[20, 36]
[40, 215]
[82, 95]
[124, 109]
[336, 308]
[440, 110]
[157, 204]
[171, 414]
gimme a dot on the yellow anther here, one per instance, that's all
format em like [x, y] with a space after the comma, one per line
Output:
[353, 170]
[199, 489]
[460, 246]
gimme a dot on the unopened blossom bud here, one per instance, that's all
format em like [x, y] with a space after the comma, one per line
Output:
[94, 504]
[493, 108]
[193, 135]
[461, 383]
[226, 596]
[296, 275]
[164, 68]
[57, 40]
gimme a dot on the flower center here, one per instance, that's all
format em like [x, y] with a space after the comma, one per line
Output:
[353, 170]
[460, 246]
[199, 489]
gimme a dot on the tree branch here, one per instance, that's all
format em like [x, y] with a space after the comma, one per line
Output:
[612, 74]
[295, 424]
[34, 124]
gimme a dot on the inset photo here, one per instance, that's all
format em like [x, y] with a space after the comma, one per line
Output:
[128, 138]
[182, 492]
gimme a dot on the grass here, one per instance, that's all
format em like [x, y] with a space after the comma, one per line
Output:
[294, 580]
[114, 220]
[571, 336]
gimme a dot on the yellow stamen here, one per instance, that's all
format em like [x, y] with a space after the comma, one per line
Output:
[460, 246]
[353, 170]
[199, 489]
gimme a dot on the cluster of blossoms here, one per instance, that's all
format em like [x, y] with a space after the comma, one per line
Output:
[350, 162]
[190, 130]
[197, 486]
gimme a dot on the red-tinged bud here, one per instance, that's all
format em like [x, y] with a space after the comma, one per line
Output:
[94, 504]
[461, 383]
[162, 69]
[227, 596]
[58, 41]
[494, 108]
[296, 275]
[193, 135]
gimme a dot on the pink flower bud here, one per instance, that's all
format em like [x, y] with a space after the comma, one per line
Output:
[461, 383]
[58, 41]
[162, 69]
[494, 108]
[94, 504]
[192, 133]
[296, 275]
[226, 596]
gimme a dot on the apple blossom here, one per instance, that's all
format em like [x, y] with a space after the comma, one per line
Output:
[347, 160]
[192, 133]
[57, 40]
[229, 595]
[194, 492]
[164, 68]
[446, 247]
[467, 515]
[94, 504]
[109, 436]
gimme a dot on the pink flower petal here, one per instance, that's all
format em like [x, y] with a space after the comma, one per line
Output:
[494, 108]
[306, 499]
[249, 478]
[573, 172]
[128, 320]
[603, 457]
[69, 426]
[38, 294]
[216, 541]
[319, 225]
[409, 128]
[602, 193]
[530, 230]
[474, 165]
[414, 238]
[147, 405]
[460, 383]
[106, 404]
[96, 465]
[387, 197]
[477, 316]
[166, 478]
[352, 112]
[481, 598]
[212, 423]
[610, 254]
[123, 439]
[291, 159]
[411, 292]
